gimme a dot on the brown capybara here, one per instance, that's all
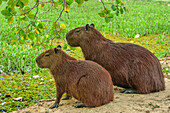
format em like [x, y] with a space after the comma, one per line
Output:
[130, 65]
[86, 80]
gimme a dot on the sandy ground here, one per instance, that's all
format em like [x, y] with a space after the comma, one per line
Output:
[124, 103]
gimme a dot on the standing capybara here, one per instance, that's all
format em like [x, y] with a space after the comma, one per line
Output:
[86, 81]
[130, 65]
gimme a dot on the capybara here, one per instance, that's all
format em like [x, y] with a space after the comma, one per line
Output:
[130, 65]
[86, 80]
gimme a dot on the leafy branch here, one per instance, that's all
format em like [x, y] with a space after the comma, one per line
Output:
[35, 26]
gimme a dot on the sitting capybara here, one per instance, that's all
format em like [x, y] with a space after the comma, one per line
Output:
[130, 65]
[86, 81]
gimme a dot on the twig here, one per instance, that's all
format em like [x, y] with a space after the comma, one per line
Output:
[37, 4]
[29, 9]
[56, 22]
[103, 4]
[59, 18]
[48, 39]
[48, 8]
[46, 21]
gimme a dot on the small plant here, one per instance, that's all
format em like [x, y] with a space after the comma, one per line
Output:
[154, 106]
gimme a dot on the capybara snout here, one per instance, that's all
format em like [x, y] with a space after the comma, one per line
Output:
[73, 37]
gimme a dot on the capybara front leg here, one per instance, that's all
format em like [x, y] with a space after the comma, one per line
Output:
[79, 105]
[128, 91]
[55, 105]
[58, 97]
[66, 97]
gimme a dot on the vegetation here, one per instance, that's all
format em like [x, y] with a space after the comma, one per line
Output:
[19, 45]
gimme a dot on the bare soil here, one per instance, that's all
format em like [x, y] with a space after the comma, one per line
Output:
[124, 103]
[158, 102]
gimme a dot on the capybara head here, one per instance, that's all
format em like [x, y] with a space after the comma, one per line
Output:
[48, 58]
[80, 35]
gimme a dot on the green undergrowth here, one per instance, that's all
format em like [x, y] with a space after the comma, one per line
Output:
[30, 87]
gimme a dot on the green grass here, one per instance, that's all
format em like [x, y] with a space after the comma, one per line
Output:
[149, 19]
[30, 88]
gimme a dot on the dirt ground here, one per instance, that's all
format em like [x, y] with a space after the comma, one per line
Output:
[124, 103]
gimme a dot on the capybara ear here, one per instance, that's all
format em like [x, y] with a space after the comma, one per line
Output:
[92, 25]
[55, 50]
[87, 27]
[59, 46]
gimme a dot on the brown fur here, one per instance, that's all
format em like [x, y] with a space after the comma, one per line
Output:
[130, 65]
[86, 81]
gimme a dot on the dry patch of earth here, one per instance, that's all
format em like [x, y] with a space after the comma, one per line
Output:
[124, 103]
[158, 102]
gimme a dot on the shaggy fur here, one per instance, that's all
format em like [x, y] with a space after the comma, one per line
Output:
[86, 81]
[130, 65]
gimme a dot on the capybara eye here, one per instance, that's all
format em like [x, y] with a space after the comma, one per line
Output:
[78, 30]
[47, 55]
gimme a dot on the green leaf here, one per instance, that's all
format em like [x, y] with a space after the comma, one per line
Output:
[101, 14]
[40, 25]
[113, 7]
[56, 4]
[121, 10]
[78, 1]
[31, 36]
[72, 48]
[118, 1]
[10, 19]
[110, 15]
[31, 16]
[24, 18]
[124, 8]
[107, 20]
[117, 13]
[25, 2]
[0, 2]
[5, 13]
[13, 28]
[35, 0]
[20, 4]
[32, 44]
[65, 46]
[47, 41]
[69, 2]
[61, 1]
[108, 11]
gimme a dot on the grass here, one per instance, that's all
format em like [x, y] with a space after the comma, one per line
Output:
[149, 19]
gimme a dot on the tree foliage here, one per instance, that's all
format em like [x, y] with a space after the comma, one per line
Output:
[22, 12]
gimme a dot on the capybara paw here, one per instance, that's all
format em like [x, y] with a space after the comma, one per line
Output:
[79, 105]
[66, 97]
[53, 106]
[128, 91]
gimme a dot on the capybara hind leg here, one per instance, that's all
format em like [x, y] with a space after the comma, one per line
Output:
[128, 91]
[66, 97]
[79, 105]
